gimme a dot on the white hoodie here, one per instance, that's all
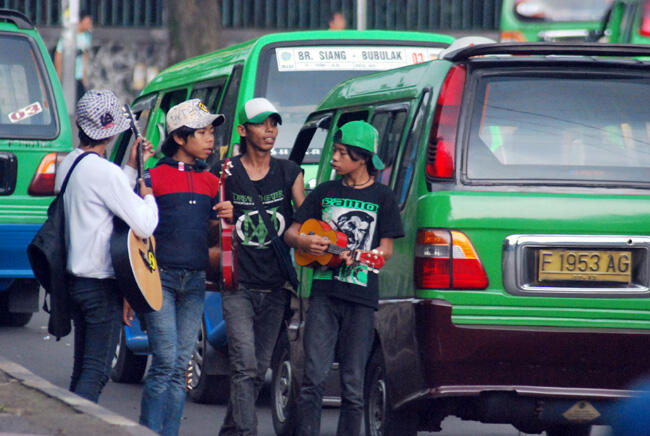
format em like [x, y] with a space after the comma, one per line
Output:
[97, 190]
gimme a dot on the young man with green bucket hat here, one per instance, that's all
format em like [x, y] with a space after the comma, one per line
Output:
[344, 299]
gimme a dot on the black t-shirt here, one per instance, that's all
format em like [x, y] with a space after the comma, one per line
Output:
[365, 216]
[256, 261]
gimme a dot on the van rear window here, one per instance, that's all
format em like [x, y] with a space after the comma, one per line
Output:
[561, 10]
[26, 105]
[553, 128]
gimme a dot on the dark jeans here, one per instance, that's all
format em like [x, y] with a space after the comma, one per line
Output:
[331, 320]
[253, 320]
[172, 334]
[97, 316]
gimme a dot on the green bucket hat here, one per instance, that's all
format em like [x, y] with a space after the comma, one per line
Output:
[362, 135]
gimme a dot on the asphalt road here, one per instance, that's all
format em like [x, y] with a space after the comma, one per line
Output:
[33, 348]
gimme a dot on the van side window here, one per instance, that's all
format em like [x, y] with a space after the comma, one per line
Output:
[311, 139]
[352, 116]
[228, 106]
[209, 94]
[407, 164]
[141, 108]
[168, 101]
[390, 126]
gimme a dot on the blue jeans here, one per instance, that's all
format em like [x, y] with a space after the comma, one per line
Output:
[97, 316]
[253, 320]
[172, 334]
[331, 320]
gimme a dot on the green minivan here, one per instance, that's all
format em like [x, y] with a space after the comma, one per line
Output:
[34, 134]
[551, 20]
[294, 70]
[521, 292]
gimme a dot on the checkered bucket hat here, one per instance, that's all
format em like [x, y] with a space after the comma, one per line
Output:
[100, 115]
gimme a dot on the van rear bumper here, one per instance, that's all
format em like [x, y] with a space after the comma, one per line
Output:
[14, 239]
[541, 362]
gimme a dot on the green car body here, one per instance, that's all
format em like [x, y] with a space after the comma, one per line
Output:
[501, 169]
[551, 20]
[34, 130]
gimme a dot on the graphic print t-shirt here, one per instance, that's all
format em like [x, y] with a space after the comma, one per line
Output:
[365, 216]
[257, 264]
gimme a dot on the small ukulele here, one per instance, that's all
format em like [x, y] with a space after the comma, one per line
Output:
[338, 244]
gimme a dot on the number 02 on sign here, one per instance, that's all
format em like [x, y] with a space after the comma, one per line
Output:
[587, 265]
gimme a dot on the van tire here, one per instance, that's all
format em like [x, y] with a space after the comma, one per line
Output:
[379, 419]
[18, 302]
[202, 387]
[283, 388]
[127, 367]
[569, 430]
[14, 319]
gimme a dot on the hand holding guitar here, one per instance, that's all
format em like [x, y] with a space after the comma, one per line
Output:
[327, 247]
[314, 244]
[225, 210]
[147, 151]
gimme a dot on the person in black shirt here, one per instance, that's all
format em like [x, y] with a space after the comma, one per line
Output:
[343, 300]
[255, 310]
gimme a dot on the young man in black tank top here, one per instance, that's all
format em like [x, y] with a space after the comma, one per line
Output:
[254, 311]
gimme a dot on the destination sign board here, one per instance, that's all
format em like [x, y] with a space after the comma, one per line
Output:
[370, 58]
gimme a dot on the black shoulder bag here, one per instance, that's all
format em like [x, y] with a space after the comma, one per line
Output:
[47, 255]
[280, 248]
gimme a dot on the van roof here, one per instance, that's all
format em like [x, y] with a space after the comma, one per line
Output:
[397, 84]
[207, 66]
[407, 82]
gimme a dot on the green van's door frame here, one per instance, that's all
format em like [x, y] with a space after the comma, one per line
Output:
[34, 133]
[629, 22]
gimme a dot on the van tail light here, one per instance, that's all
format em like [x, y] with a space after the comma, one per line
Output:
[644, 29]
[512, 36]
[447, 259]
[43, 181]
[442, 139]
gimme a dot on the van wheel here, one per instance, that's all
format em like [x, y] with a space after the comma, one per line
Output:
[569, 430]
[379, 418]
[18, 319]
[127, 367]
[201, 387]
[283, 395]
[14, 319]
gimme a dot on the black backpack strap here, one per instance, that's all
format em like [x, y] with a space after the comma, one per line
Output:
[74, 164]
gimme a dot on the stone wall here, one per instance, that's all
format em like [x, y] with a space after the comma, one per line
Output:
[121, 59]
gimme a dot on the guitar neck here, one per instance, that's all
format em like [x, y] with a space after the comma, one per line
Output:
[335, 249]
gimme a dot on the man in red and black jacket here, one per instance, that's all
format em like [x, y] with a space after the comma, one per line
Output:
[187, 198]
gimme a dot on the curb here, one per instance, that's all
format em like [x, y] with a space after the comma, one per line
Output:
[81, 405]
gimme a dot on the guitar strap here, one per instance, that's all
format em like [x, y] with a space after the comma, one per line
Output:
[242, 175]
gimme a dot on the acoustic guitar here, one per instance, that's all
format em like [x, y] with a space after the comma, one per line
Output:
[134, 258]
[338, 245]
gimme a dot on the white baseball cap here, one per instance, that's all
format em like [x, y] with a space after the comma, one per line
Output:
[193, 114]
[256, 110]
